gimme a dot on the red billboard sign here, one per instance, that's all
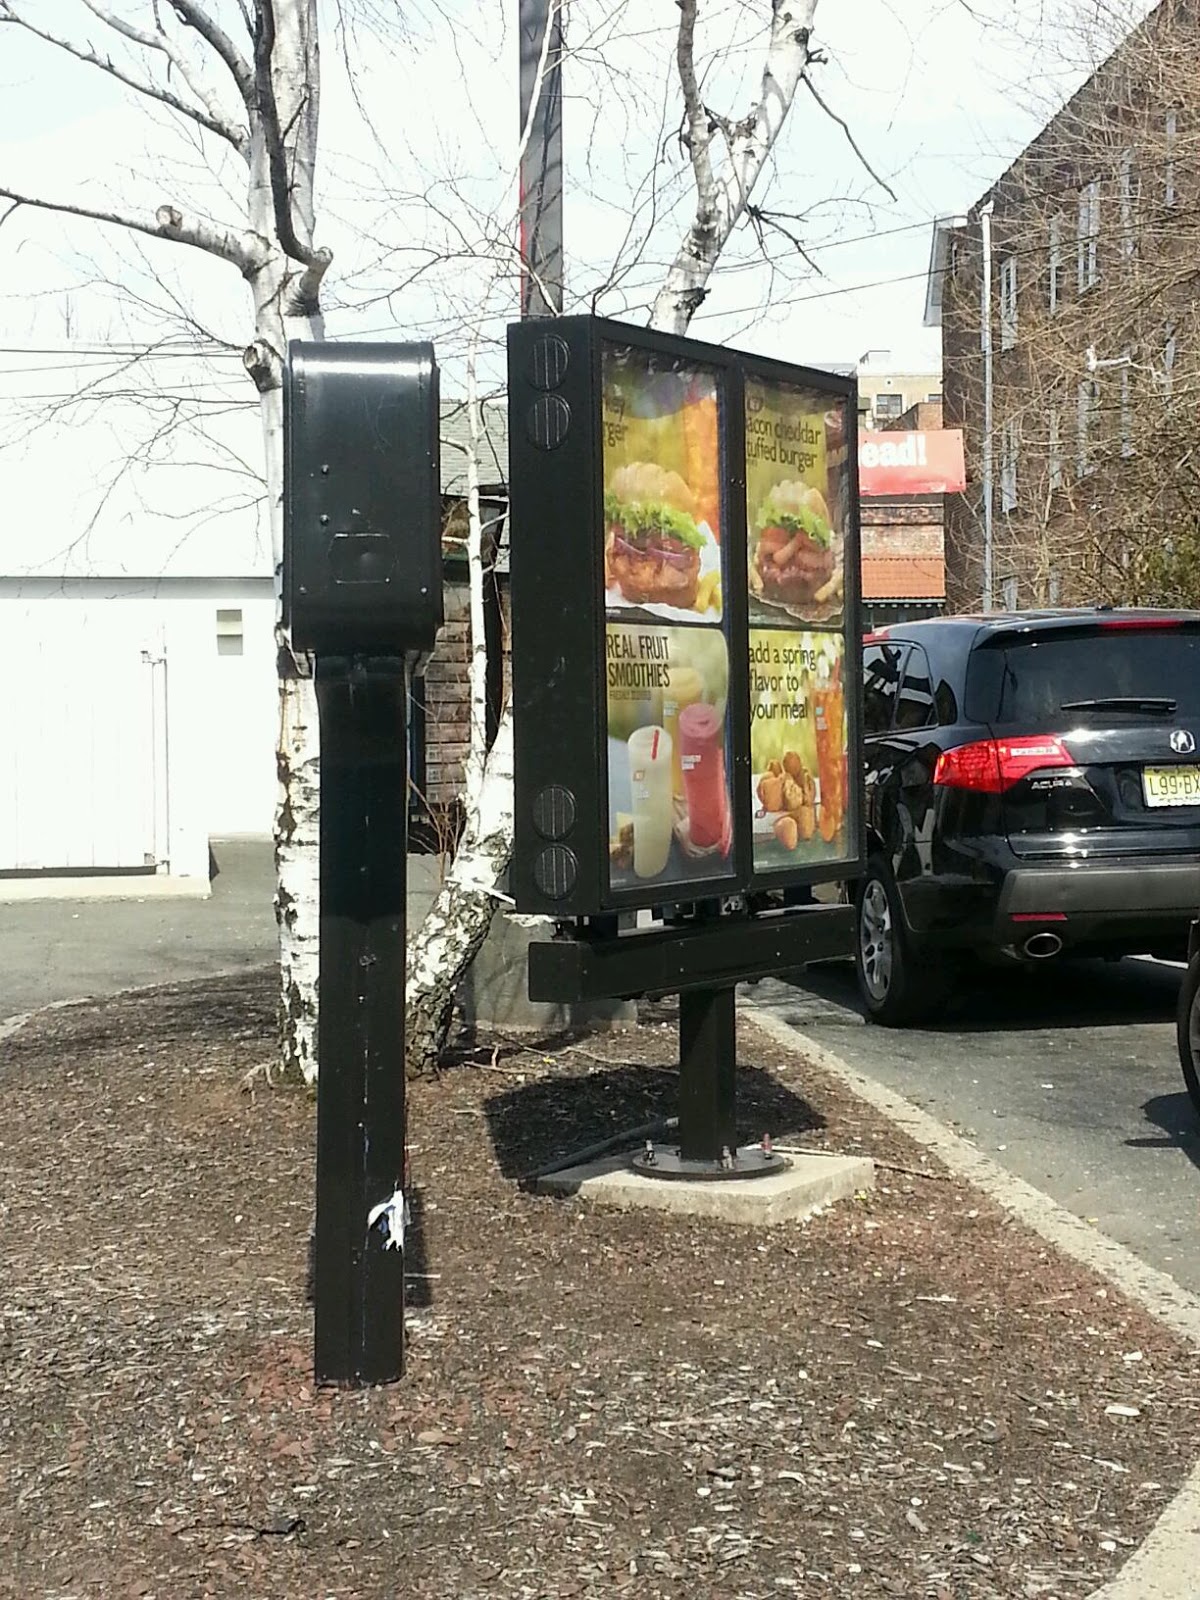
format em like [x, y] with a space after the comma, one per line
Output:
[924, 462]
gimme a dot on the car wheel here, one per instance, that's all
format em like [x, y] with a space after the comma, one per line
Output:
[1187, 1030]
[893, 989]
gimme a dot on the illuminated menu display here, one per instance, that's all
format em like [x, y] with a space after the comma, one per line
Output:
[684, 551]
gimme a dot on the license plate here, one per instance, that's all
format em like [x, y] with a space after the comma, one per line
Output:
[1171, 786]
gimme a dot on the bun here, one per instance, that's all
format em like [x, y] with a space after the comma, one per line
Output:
[646, 480]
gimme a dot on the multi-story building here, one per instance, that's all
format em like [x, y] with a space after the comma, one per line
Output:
[887, 390]
[1066, 302]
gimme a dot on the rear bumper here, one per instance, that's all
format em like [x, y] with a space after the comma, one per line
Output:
[1110, 902]
[1110, 888]
[1129, 902]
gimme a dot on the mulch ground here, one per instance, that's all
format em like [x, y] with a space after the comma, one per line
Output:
[906, 1396]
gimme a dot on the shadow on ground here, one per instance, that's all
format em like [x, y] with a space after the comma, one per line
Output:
[1176, 1116]
[543, 1121]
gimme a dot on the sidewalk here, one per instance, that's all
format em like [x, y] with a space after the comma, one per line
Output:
[60, 949]
[912, 1395]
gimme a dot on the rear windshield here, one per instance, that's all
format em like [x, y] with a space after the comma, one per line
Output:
[1026, 683]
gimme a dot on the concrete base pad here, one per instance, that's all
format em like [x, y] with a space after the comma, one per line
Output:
[812, 1181]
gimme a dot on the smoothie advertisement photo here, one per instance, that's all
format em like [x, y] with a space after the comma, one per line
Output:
[685, 622]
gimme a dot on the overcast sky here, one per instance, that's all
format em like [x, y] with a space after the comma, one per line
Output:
[937, 96]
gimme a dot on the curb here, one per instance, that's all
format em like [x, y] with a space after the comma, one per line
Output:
[1166, 1564]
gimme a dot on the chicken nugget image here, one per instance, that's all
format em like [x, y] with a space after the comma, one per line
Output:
[793, 765]
[787, 832]
[770, 792]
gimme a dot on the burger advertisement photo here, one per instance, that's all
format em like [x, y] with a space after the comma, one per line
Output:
[662, 550]
[685, 612]
[795, 507]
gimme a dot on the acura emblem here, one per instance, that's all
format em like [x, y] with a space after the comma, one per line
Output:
[1182, 742]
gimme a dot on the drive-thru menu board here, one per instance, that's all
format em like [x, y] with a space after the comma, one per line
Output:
[684, 564]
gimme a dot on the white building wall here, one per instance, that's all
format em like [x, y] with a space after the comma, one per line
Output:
[134, 735]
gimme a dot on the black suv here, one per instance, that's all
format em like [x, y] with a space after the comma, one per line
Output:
[1033, 789]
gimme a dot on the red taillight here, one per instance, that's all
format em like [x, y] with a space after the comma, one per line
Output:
[990, 766]
[1142, 624]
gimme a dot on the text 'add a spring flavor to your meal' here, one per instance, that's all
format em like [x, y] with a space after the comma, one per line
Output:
[797, 493]
[798, 745]
[662, 488]
[669, 800]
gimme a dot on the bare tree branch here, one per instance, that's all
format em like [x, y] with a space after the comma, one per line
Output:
[239, 138]
[194, 16]
[850, 139]
[698, 138]
[245, 250]
[237, 134]
[281, 191]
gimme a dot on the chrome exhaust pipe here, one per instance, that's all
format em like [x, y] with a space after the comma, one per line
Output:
[1041, 946]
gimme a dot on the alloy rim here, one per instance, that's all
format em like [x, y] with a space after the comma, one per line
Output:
[875, 942]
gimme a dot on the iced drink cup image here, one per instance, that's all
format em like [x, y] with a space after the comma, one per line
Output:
[684, 687]
[650, 793]
[702, 743]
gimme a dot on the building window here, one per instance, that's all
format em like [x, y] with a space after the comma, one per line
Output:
[1088, 405]
[1169, 164]
[230, 638]
[1008, 302]
[1126, 409]
[1008, 593]
[1008, 466]
[1088, 235]
[1054, 448]
[1055, 273]
[1129, 196]
[889, 405]
[934, 399]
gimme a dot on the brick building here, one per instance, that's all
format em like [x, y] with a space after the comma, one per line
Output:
[1065, 298]
[903, 575]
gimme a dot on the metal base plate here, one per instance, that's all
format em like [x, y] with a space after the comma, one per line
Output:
[749, 1161]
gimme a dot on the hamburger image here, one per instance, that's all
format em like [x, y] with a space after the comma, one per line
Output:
[652, 540]
[793, 555]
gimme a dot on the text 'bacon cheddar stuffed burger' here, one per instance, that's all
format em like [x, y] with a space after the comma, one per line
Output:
[652, 540]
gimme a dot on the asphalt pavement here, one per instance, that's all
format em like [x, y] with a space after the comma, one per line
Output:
[1067, 1075]
[61, 949]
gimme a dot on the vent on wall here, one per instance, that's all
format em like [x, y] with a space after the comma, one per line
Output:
[229, 633]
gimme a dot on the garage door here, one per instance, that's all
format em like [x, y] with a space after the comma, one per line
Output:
[83, 731]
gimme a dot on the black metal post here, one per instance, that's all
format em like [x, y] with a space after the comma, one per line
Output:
[707, 1074]
[541, 195]
[359, 1270]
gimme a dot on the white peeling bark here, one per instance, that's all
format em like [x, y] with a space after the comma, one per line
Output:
[458, 921]
[285, 301]
[721, 196]
[477, 747]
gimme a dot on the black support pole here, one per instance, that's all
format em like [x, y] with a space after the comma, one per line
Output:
[707, 1074]
[359, 1270]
